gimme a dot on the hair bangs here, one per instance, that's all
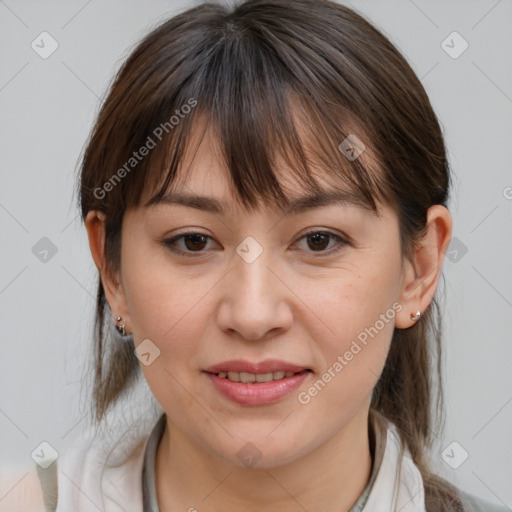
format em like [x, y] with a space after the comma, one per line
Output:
[266, 124]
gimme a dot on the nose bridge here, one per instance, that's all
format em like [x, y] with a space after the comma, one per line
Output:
[253, 301]
[250, 265]
[252, 275]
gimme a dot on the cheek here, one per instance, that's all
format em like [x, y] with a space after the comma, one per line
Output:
[171, 312]
[161, 299]
[167, 310]
[353, 358]
[353, 327]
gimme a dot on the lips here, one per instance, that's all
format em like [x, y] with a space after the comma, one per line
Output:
[262, 383]
[262, 367]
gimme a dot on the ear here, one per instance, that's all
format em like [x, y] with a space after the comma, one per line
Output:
[95, 225]
[421, 275]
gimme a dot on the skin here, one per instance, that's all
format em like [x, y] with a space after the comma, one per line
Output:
[292, 303]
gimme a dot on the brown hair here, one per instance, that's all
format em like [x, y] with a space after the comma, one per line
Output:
[257, 72]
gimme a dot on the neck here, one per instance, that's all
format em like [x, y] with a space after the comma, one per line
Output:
[330, 477]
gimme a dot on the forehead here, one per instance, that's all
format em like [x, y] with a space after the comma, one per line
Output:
[207, 186]
[203, 180]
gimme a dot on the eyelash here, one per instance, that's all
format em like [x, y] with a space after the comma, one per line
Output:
[170, 243]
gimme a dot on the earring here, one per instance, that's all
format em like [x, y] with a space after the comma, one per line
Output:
[415, 316]
[121, 328]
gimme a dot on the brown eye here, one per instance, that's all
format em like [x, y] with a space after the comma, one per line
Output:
[195, 242]
[188, 243]
[318, 241]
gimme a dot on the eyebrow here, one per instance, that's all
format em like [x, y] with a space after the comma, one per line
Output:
[294, 207]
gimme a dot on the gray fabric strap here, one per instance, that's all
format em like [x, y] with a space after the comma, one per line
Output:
[48, 479]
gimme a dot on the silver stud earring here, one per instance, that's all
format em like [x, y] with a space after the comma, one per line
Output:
[415, 316]
[121, 327]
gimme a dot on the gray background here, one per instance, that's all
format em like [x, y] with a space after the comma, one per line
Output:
[47, 108]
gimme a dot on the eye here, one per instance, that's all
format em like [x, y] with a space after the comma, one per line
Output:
[191, 243]
[187, 244]
[320, 241]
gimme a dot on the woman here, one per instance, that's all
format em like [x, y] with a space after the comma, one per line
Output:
[265, 195]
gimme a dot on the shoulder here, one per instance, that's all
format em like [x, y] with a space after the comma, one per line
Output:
[443, 496]
[34, 488]
[20, 490]
[440, 495]
[91, 470]
[474, 504]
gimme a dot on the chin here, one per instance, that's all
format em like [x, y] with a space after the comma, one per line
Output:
[263, 452]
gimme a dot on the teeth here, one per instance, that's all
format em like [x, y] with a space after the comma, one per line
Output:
[255, 377]
[247, 377]
[264, 377]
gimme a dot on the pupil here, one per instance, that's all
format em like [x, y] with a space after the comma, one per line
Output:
[195, 239]
[320, 241]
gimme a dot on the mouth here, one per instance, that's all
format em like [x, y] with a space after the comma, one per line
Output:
[256, 389]
[246, 377]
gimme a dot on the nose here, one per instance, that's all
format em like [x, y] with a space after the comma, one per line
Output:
[255, 303]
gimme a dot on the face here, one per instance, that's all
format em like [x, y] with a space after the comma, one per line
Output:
[317, 288]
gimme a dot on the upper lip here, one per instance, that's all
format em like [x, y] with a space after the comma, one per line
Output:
[266, 366]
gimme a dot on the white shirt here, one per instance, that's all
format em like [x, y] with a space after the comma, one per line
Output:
[105, 474]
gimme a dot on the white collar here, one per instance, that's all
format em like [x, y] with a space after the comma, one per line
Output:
[105, 475]
[398, 485]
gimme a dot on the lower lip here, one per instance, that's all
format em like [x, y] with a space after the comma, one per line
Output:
[257, 393]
